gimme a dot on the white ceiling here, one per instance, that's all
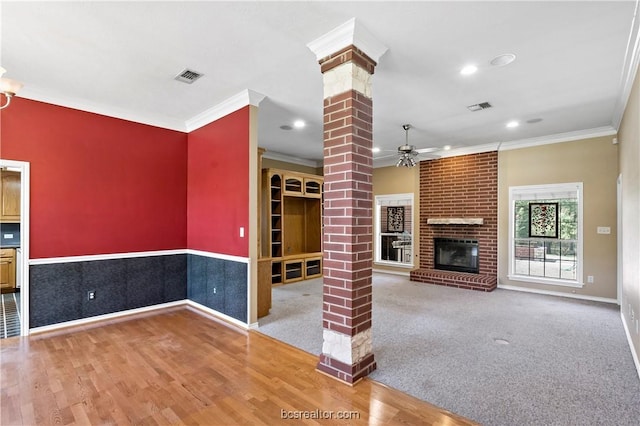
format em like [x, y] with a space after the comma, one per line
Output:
[119, 59]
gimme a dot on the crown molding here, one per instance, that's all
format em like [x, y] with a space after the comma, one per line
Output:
[290, 159]
[515, 144]
[166, 122]
[630, 68]
[558, 138]
[234, 103]
[347, 34]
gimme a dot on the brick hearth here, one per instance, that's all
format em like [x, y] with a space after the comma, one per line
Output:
[460, 187]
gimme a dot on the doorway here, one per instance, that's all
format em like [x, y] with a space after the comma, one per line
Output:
[15, 236]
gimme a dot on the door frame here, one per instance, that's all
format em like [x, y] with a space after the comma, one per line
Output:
[23, 167]
[619, 239]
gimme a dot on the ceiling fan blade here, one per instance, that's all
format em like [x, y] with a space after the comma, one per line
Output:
[385, 156]
[426, 150]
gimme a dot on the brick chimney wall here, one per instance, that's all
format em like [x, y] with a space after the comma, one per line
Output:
[460, 187]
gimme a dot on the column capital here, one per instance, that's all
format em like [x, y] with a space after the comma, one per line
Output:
[351, 33]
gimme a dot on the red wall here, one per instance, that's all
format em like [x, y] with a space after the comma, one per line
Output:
[98, 184]
[218, 185]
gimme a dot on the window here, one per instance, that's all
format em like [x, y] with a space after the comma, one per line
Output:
[545, 234]
[394, 230]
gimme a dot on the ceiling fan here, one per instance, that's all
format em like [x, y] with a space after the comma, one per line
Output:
[408, 153]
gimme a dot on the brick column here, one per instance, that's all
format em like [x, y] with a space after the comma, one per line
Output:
[348, 216]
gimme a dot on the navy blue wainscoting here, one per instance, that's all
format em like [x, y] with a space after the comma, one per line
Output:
[58, 292]
[218, 284]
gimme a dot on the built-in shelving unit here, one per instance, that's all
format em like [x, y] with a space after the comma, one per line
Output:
[291, 225]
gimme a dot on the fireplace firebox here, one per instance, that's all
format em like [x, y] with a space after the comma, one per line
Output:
[456, 255]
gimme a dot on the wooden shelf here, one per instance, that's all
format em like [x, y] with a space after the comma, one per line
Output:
[291, 224]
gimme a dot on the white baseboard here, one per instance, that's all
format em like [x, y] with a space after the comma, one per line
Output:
[201, 309]
[634, 354]
[196, 307]
[105, 317]
[388, 271]
[558, 293]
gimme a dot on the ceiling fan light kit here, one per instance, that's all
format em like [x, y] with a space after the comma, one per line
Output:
[407, 152]
[8, 88]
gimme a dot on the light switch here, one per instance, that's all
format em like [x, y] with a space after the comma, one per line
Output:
[242, 232]
[604, 230]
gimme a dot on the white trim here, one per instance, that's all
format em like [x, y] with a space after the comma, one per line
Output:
[234, 103]
[580, 259]
[98, 318]
[629, 69]
[510, 145]
[543, 280]
[349, 33]
[112, 256]
[467, 150]
[219, 256]
[165, 122]
[198, 308]
[634, 354]
[109, 256]
[393, 264]
[189, 304]
[278, 156]
[559, 138]
[25, 183]
[377, 256]
[558, 293]
[619, 245]
[387, 271]
[249, 298]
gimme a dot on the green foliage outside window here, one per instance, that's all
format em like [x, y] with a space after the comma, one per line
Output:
[567, 223]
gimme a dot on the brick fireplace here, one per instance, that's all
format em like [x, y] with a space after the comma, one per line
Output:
[459, 201]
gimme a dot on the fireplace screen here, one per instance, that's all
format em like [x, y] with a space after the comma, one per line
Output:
[456, 255]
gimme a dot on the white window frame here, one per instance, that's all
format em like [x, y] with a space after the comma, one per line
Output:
[388, 200]
[517, 191]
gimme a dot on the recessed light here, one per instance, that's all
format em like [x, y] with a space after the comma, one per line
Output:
[504, 59]
[446, 147]
[286, 127]
[512, 124]
[375, 150]
[299, 124]
[534, 120]
[468, 70]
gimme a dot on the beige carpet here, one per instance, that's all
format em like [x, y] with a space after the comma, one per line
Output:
[500, 358]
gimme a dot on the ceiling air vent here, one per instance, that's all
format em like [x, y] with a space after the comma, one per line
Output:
[188, 76]
[479, 107]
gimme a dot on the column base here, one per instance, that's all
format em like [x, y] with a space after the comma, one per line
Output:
[350, 374]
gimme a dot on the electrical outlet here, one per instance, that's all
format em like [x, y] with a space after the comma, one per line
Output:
[214, 290]
[590, 279]
[91, 295]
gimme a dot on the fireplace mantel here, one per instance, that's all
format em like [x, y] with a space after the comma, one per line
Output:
[455, 221]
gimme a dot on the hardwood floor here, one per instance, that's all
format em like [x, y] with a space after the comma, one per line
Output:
[179, 367]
